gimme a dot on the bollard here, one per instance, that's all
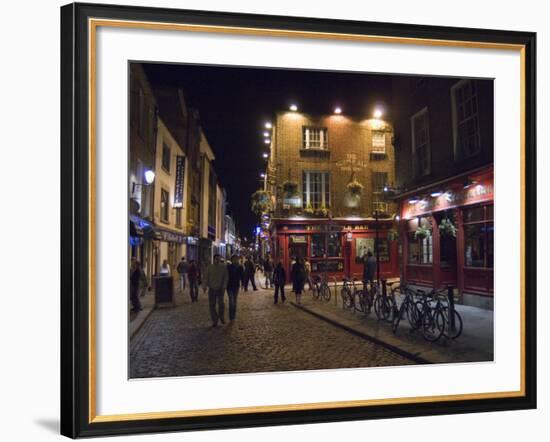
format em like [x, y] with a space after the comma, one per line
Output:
[451, 301]
[384, 288]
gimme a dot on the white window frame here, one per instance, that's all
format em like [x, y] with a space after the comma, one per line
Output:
[325, 182]
[414, 118]
[458, 153]
[323, 137]
[377, 148]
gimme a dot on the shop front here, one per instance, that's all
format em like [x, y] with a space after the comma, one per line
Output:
[171, 247]
[141, 238]
[447, 235]
[336, 247]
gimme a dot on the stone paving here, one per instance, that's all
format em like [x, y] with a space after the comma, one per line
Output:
[264, 337]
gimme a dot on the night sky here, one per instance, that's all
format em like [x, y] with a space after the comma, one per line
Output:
[234, 103]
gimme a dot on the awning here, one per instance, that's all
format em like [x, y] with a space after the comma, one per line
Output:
[135, 229]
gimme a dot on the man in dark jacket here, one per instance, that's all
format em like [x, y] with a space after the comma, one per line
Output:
[268, 271]
[369, 267]
[235, 272]
[279, 279]
[249, 273]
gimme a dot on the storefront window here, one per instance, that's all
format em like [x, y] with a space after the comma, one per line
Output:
[420, 249]
[447, 242]
[478, 237]
[318, 245]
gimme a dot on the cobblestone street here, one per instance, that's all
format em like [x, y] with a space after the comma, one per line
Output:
[264, 337]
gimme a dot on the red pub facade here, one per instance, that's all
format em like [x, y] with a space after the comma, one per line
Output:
[345, 241]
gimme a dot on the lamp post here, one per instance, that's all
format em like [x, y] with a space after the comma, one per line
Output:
[376, 246]
[149, 179]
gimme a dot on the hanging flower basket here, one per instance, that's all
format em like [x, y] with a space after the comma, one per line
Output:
[321, 211]
[309, 210]
[447, 228]
[260, 202]
[422, 233]
[290, 188]
[355, 188]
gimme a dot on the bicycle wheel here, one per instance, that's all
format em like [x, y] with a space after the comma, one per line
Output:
[447, 332]
[358, 301]
[432, 321]
[347, 300]
[414, 314]
[325, 292]
[315, 291]
[380, 308]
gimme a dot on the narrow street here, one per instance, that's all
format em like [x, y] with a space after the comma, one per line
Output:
[264, 337]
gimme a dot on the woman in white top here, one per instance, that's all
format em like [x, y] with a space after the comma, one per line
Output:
[165, 268]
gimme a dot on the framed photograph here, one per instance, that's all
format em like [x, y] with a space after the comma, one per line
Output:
[274, 220]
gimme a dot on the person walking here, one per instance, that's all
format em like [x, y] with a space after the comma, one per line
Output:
[307, 267]
[249, 274]
[369, 267]
[234, 281]
[135, 278]
[193, 277]
[215, 279]
[268, 272]
[279, 280]
[182, 272]
[298, 274]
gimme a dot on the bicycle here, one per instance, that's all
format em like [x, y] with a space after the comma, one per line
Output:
[407, 308]
[440, 318]
[346, 293]
[384, 305]
[321, 289]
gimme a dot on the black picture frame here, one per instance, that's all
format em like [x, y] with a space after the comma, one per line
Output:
[76, 416]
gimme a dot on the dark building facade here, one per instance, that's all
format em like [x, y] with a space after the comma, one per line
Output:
[444, 141]
[142, 147]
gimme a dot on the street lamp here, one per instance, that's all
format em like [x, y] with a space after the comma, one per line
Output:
[338, 110]
[378, 113]
[149, 179]
[265, 155]
[293, 107]
[268, 125]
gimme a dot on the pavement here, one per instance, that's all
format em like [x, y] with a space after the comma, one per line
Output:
[475, 344]
[178, 340]
[265, 337]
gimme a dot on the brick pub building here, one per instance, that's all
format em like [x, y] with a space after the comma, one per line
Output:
[311, 161]
[444, 155]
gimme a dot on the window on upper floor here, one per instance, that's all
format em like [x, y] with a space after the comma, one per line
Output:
[141, 112]
[466, 135]
[378, 142]
[314, 137]
[164, 206]
[166, 157]
[421, 143]
[316, 189]
[379, 180]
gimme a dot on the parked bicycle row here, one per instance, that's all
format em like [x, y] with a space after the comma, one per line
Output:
[430, 313]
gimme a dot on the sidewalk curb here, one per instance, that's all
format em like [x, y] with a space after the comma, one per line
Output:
[146, 313]
[360, 334]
